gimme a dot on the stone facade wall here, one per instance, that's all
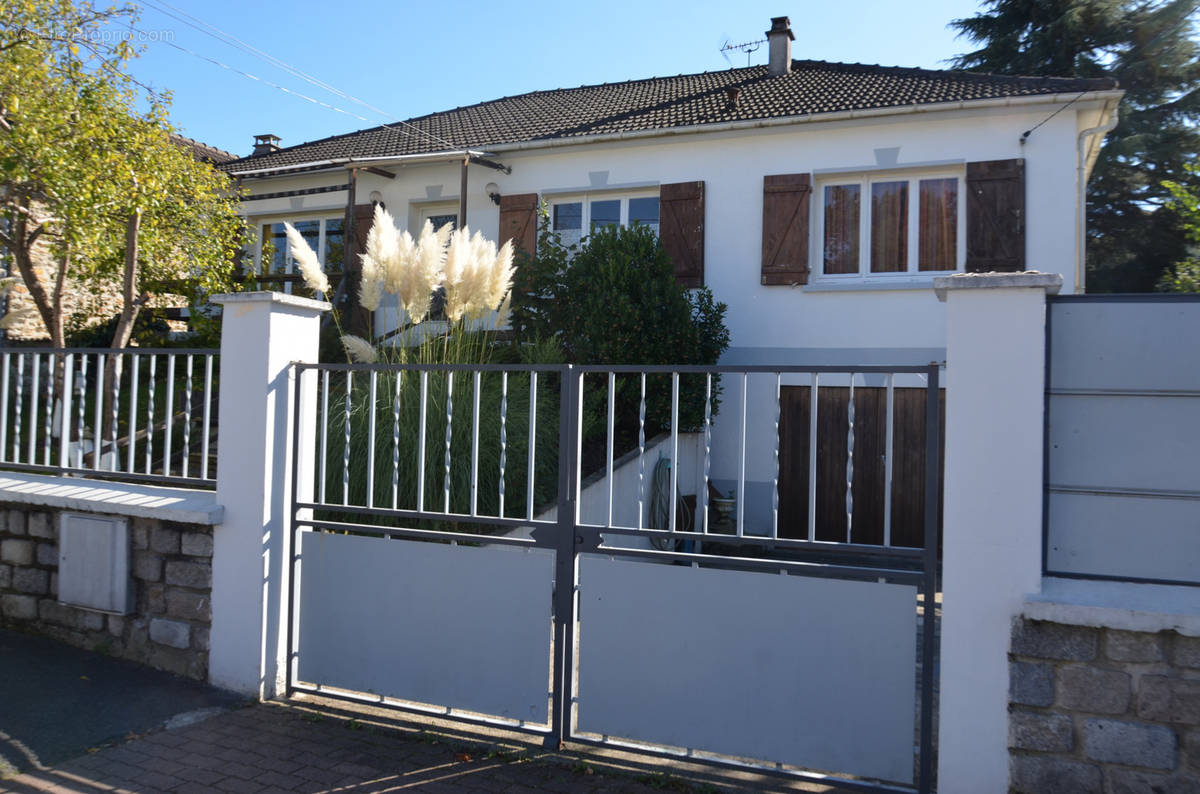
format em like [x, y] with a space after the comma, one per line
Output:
[171, 566]
[1101, 710]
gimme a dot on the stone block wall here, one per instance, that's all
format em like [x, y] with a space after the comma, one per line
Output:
[171, 566]
[1102, 710]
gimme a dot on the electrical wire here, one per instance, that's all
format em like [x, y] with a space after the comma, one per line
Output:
[216, 33]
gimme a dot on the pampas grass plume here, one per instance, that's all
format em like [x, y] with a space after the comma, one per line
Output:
[359, 349]
[306, 260]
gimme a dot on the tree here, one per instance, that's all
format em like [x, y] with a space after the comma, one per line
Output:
[95, 182]
[1184, 276]
[1150, 48]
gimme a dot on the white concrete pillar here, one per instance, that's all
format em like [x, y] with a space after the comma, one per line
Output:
[992, 536]
[262, 333]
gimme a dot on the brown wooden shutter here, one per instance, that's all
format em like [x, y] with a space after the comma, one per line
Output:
[996, 216]
[518, 221]
[786, 202]
[681, 229]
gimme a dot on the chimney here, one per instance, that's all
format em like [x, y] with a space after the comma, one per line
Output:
[780, 38]
[265, 144]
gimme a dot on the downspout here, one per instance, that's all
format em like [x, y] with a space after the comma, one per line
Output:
[1081, 200]
[462, 195]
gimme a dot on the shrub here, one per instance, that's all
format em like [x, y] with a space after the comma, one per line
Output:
[614, 300]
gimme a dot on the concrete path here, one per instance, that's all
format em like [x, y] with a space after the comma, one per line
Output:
[312, 746]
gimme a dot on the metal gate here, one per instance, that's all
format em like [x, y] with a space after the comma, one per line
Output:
[443, 561]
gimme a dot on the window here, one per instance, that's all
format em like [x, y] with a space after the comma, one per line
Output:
[885, 226]
[324, 235]
[571, 217]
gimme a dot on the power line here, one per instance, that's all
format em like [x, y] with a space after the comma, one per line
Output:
[262, 80]
[253, 51]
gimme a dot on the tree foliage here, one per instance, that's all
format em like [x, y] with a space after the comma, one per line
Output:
[93, 178]
[1150, 48]
[1184, 276]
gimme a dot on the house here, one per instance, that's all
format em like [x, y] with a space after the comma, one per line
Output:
[818, 200]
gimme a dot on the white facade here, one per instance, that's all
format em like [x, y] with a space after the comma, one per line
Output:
[887, 319]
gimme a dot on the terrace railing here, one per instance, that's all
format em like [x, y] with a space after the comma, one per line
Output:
[136, 414]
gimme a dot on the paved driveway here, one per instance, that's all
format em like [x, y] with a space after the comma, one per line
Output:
[56, 701]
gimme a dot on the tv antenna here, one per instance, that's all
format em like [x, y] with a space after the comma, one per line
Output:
[746, 47]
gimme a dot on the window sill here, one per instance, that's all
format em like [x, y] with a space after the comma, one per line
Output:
[872, 285]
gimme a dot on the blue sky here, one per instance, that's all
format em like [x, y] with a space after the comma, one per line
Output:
[408, 59]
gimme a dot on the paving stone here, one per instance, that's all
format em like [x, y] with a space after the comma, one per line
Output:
[1031, 683]
[1163, 699]
[32, 581]
[1135, 781]
[197, 544]
[1191, 748]
[189, 574]
[50, 611]
[5, 577]
[188, 605]
[1185, 652]
[16, 551]
[89, 621]
[116, 625]
[15, 522]
[139, 534]
[147, 566]
[43, 525]
[1052, 733]
[1132, 743]
[1054, 641]
[164, 540]
[170, 632]
[18, 607]
[1090, 689]
[47, 554]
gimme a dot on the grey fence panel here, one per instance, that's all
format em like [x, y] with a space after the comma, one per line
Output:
[1123, 438]
[1148, 344]
[1125, 443]
[1140, 537]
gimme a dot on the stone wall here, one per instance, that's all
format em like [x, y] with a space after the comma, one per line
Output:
[171, 566]
[1101, 710]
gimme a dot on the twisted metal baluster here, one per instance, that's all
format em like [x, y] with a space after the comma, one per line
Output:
[850, 464]
[82, 389]
[133, 379]
[775, 489]
[346, 446]
[707, 445]
[33, 408]
[449, 431]
[4, 408]
[116, 409]
[642, 453]
[48, 417]
[396, 442]
[503, 436]
[150, 415]
[20, 399]
[187, 417]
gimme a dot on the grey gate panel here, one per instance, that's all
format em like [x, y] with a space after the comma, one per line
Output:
[792, 669]
[458, 626]
[1123, 437]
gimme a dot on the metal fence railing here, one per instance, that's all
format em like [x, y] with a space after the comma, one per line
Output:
[146, 415]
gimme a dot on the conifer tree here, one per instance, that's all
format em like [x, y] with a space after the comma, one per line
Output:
[1150, 48]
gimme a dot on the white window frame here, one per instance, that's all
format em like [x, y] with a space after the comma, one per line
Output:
[587, 198]
[290, 266]
[913, 273]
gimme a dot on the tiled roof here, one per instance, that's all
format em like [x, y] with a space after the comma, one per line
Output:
[812, 87]
[204, 152]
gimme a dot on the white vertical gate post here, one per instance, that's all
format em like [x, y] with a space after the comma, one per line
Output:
[992, 537]
[262, 333]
